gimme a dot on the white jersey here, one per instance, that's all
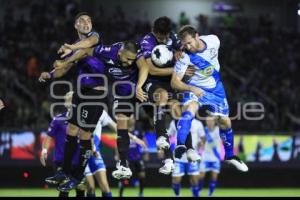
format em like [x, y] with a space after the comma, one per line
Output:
[206, 63]
[197, 132]
[209, 154]
[104, 120]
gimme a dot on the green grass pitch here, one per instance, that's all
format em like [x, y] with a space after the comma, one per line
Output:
[162, 192]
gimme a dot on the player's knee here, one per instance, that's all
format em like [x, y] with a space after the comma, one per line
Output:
[192, 106]
[224, 122]
[122, 121]
[85, 135]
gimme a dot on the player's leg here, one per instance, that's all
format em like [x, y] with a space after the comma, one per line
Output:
[193, 172]
[103, 183]
[123, 171]
[184, 125]
[70, 148]
[227, 137]
[141, 175]
[200, 181]
[90, 185]
[213, 182]
[177, 174]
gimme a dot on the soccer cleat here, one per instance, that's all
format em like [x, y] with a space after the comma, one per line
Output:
[193, 156]
[179, 151]
[57, 179]
[162, 143]
[168, 167]
[122, 172]
[68, 185]
[238, 163]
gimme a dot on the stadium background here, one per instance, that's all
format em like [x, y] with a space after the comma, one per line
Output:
[259, 59]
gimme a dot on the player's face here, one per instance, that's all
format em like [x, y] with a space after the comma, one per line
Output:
[127, 57]
[84, 24]
[161, 39]
[191, 43]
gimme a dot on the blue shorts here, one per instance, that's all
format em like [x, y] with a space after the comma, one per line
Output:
[94, 165]
[216, 104]
[206, 166]
[189, 168]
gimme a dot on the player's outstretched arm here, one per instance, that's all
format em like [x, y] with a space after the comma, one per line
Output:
[78, 55]
[143, 74]
[156, 71]
[84, 43]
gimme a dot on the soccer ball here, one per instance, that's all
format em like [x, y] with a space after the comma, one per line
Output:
[161, 56]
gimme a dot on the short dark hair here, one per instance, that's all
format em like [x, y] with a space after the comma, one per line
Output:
[187, 30]
[80, 14]
[162, 25]
[131, 46]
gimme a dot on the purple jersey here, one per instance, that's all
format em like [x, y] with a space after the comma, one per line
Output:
[115, 71]
[58, 131]
[135, 152]
[148, 43]
[91, 65]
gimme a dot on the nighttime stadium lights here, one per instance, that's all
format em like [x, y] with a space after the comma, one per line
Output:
[299, 12]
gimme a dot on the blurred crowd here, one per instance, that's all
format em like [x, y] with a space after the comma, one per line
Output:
[258, 64]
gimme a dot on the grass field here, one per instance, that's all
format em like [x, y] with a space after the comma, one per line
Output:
[162, 192]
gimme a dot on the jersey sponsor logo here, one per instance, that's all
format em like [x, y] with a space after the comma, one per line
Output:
[115, 71]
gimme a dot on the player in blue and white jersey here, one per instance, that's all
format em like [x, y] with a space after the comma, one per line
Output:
[203, 88]
[211, 156]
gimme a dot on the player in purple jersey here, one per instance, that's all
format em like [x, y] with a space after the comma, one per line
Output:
[85, 111]
[157, 86]
[122, 71]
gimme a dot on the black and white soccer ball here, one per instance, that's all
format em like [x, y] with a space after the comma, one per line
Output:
[161, 56]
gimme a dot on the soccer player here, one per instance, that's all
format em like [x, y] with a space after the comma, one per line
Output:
[203, 88]
[157, 87]
[182, 165]
[96, 166]
[137, 148]
[57, 132]
[122, 71]
[211, 156]
[84, 115]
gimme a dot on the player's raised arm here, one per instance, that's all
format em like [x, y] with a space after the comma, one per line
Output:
[143, 74]
[84, 43]
[78, 55]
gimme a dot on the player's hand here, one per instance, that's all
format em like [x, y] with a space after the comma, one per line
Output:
[1, 104]
[190, 71]
[140, 94]
[64, 51]
[197, 91]
[69, 46]
[44, 76]
[178, 55]
[43, 157]
[59, 64]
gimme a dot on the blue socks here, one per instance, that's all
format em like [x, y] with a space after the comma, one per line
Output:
[212, 186]
[195, 190]
[176, 188]
[184, 126]
[227, 137]
[106, 194]
[200, 185]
